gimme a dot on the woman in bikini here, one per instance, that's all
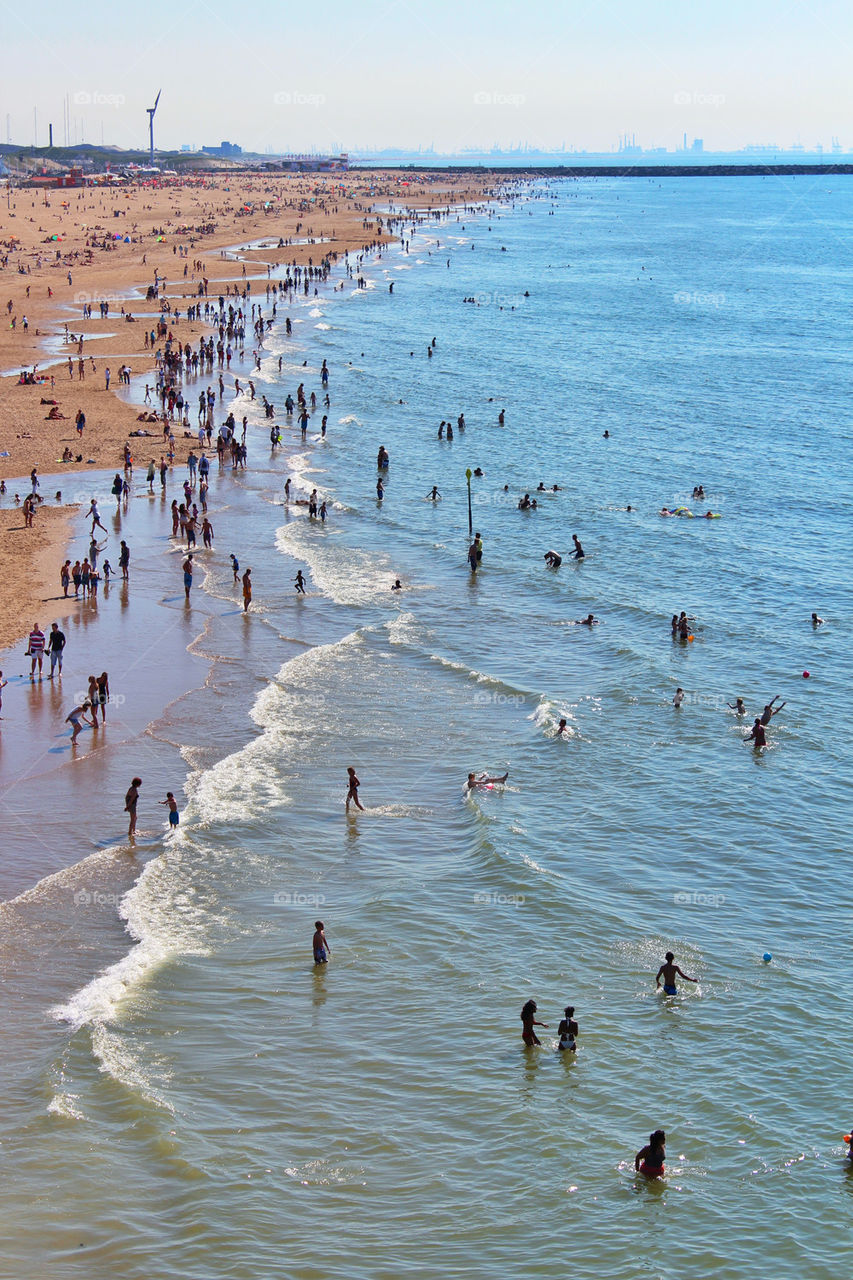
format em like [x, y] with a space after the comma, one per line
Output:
[528, 1022]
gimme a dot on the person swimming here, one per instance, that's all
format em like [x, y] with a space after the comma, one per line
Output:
[528, 1022]
[738, 705]
[589, 621]
[668, 971]
[483, 781]
[561, 728]
[568, 1030]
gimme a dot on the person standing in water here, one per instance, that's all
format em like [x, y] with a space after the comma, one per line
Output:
[528, 1022]
[352, 791]
[130, 803]
[579, 551]
[247, 590]
[649, 1160]
[757, 735]
[174, 816]
[770, 711]
[320, 944]
[568, 1031]
[669, 970]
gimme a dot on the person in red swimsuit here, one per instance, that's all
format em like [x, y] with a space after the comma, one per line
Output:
[650, 1160]
[528, 1022]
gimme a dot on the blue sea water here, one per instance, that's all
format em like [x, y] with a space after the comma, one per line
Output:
[211, 1105]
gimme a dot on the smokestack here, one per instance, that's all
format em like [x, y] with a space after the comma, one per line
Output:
[50, 135]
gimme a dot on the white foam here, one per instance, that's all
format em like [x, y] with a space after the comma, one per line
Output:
[345, 574]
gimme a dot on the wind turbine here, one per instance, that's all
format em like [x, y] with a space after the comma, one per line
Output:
[151, 111]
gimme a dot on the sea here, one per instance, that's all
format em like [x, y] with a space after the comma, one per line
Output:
[185, 1092]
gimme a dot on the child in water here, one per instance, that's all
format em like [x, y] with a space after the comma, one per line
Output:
[174, 816]
[321, 947]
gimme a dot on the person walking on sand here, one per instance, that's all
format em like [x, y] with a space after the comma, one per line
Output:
[669, 970]
[174, 816]
[649, 1160]
[320, 944]
[55, 645]
[247, 590]
[187, 567]
[352, 791]
[528, 1022]
[35, 650]
[130, 801]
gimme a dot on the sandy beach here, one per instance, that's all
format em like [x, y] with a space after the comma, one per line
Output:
[63, 249]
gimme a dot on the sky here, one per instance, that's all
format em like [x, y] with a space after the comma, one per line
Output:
[395, 73]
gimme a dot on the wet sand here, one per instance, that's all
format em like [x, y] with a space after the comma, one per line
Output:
[214, 220]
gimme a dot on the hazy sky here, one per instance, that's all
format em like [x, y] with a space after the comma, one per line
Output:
[476, 73]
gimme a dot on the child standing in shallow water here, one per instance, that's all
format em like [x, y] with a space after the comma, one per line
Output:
[352, 793]
[321, 947]
[174, 816]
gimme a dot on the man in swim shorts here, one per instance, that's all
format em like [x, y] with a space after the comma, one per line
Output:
[187, 567]
[668, 971]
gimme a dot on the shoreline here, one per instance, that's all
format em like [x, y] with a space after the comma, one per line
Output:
[111, 415]
[99, 621]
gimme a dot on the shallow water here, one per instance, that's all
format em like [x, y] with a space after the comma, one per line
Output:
[205, 1102]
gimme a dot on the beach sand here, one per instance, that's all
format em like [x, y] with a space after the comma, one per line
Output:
[44, 283]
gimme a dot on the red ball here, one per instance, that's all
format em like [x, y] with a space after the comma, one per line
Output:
[805, 675]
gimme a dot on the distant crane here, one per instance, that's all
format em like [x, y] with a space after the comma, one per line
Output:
[151, 111]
